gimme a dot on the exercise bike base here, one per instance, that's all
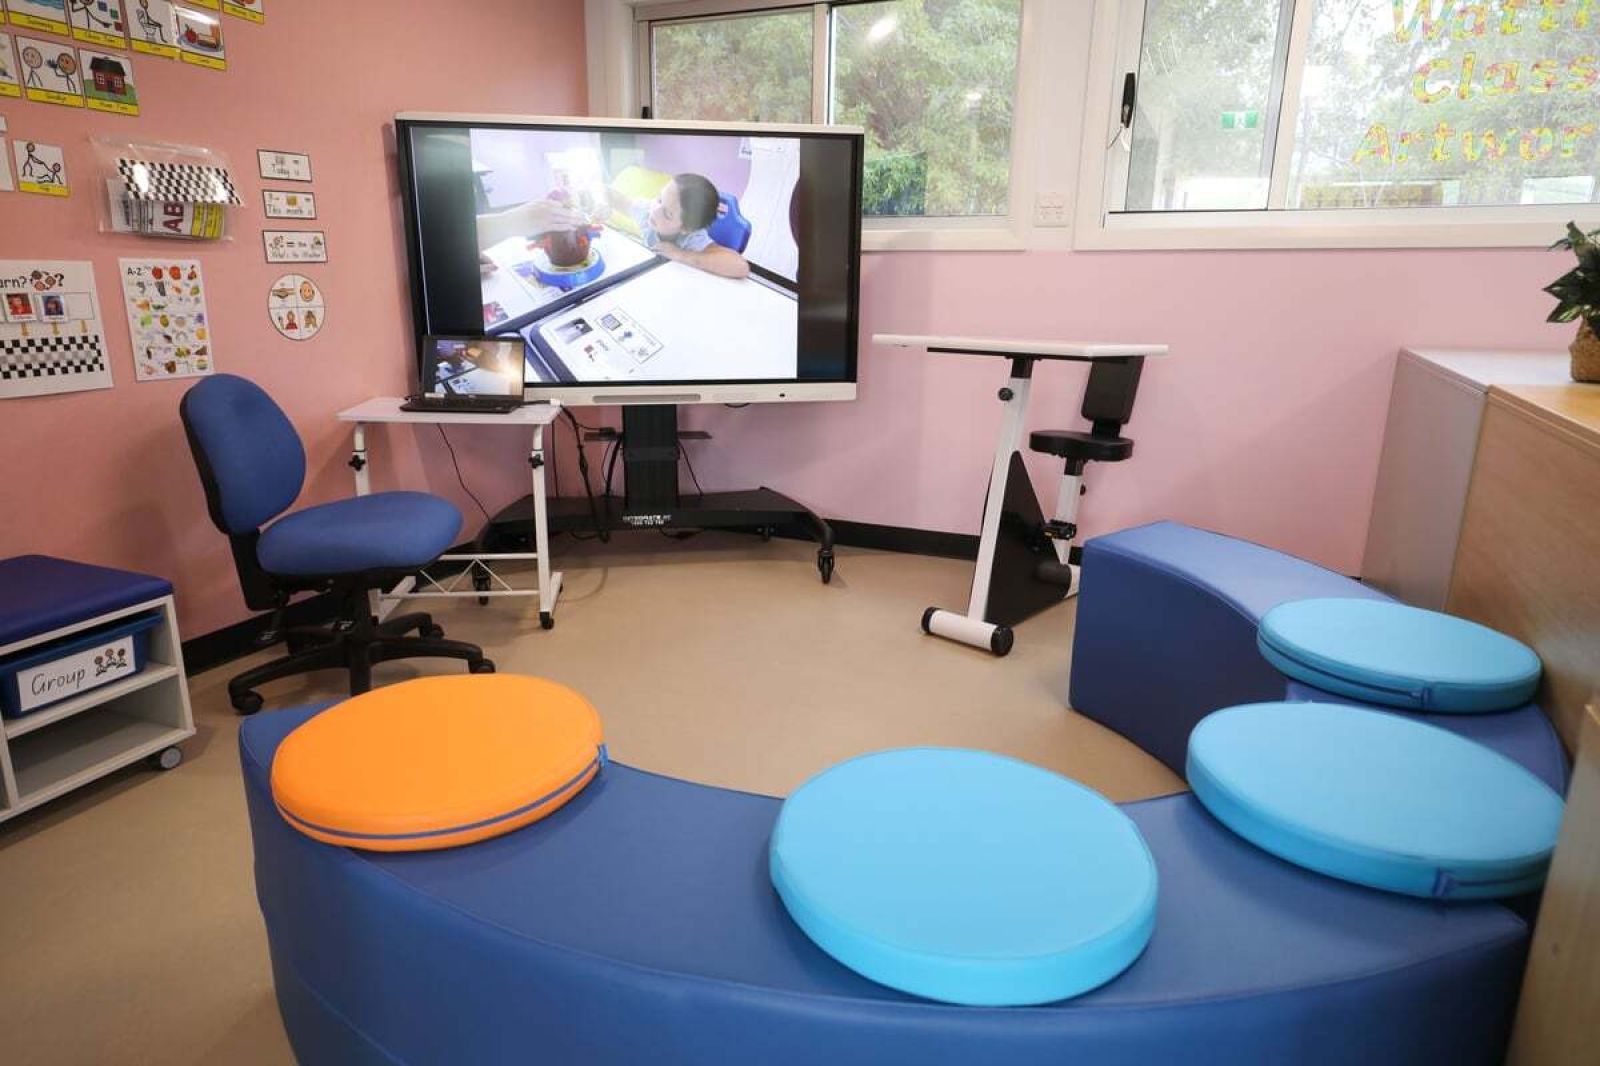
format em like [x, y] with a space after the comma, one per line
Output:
[973, 631]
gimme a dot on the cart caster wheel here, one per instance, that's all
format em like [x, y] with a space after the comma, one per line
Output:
[246, 702]
[166, 758]
[1001, 640]
[546, 620]
[480, 582]
[766, 534]
[482, 666]
[825, 565]
[433, 632]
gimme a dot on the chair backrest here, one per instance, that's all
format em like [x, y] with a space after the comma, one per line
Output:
[251, 462]
[1108, 397]
[731, 229]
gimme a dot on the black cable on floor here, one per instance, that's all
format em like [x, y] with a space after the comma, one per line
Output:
[583, 469]
[451, 448]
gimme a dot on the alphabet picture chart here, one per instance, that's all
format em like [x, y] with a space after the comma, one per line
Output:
[281, 203]
[51, 337]
[10, 73]
[51, 73]
[100, 22]
[250, 10]
[153, 28]
[296, 307]
[47, 16]
[167, 318]
[295, 246]
[108, 82]
[41, 168]
[200, 39]
[283, 166]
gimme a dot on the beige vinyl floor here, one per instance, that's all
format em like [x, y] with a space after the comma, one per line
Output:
[128, 925]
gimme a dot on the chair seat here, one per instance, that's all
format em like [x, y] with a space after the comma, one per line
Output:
[1071, 444]
[384, 531]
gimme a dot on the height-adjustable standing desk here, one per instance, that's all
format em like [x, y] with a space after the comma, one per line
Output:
[1025, 561]
[484, 582]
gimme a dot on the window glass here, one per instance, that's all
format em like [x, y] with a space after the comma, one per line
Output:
[1422, 103]
[752, 68]
[1205, 116]
[933, 82]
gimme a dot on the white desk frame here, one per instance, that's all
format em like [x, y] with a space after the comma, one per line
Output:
[385, 410]
[972, 627]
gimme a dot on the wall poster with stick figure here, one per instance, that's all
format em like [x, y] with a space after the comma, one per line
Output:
[10, 72]
[46, 16]
[101, 22]
[153, 28]
[41, 168]
[51, 73]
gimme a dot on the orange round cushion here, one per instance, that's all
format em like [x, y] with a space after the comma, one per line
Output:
[437, 762]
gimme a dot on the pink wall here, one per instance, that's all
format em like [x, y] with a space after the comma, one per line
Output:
[106, 476]
[1264, 422]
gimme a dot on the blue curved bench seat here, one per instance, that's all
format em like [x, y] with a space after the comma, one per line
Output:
[1166, 634]
[637, 925]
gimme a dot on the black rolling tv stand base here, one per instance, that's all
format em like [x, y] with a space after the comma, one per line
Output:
[650, 453]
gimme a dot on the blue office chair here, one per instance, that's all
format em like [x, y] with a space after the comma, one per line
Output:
[731, 229]
[252, 467]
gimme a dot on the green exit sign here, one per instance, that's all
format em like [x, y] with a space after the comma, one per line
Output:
[1241, 120]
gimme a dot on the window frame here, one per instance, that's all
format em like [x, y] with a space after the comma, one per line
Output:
[1008, 232]
[1115, 43]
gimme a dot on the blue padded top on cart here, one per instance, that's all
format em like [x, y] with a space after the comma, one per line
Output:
[1398, 656]
[642, 916]
[39, 593]
[1376, 798]
[965, 876]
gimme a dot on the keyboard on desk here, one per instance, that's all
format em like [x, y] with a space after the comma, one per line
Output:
[472, 405]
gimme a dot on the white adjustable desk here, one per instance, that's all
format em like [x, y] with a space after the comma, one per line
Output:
[986, 623]
[479, 572]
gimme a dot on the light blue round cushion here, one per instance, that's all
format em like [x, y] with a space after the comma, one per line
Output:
[1399, 656]
[965, 876]
[1375, 798]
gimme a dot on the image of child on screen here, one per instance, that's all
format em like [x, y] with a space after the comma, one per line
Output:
[675, 225]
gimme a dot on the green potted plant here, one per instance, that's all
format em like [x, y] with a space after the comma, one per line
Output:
[1578, 296]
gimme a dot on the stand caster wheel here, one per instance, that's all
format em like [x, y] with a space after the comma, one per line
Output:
[246, 702]
[480, 583]
[927, 616]
[546, 620]
[1000, 643]
[166, 758]
[482, 666]
[825, 565]
[433, 632]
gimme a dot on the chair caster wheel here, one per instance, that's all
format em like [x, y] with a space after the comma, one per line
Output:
[546, 620]
[166, 758]
[825, 565]
[433, 632]
[482, 666]
[246, 702]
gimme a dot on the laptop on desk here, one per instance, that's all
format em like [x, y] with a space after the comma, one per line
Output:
[470, 375]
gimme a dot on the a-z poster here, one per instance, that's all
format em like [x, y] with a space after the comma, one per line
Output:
[166, 304]
[51, 335]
